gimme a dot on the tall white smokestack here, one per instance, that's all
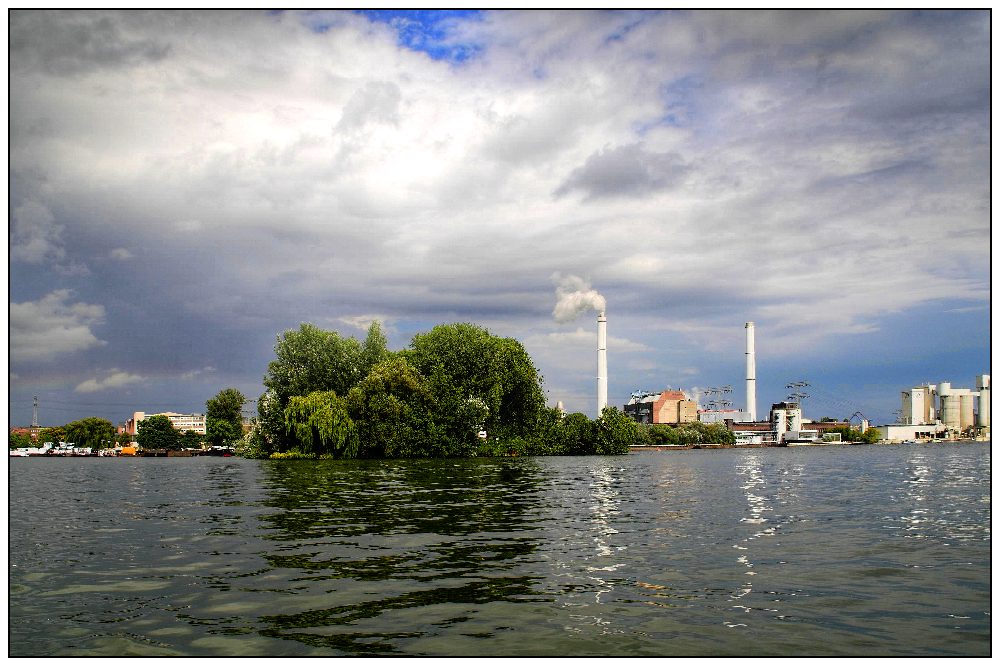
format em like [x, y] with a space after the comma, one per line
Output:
[751, 375]
[573, 296]
[602, 362]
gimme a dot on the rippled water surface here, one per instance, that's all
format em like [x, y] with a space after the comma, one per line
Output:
[865, 550]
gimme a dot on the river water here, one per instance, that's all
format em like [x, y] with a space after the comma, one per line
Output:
[836, 550]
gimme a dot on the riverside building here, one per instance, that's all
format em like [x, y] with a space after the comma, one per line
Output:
[181, 422]
[668, 407]
[941, 409]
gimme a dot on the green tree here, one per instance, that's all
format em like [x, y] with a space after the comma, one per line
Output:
[550, 436]
[270, 433]
[615, 432]
[254, 445]
[224, 418]
[393, 408]
[190, 440]
[320, 425]
[311, 359]
[661, 434]
[468, 363]
[91, 432]
[871, 436]
[21, 441]
[579, 435]
[374, 349]
[717, 433]
[54, 435]
[156, 432]
[308, 360]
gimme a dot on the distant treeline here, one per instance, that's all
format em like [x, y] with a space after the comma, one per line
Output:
[329, 396]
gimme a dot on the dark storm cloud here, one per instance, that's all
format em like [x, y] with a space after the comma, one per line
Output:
[75, 42]
[626, 171]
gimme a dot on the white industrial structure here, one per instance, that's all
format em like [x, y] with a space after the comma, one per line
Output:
[983, 386]
[602, 362]
[956, 410]
[918, 405]
[751, 375]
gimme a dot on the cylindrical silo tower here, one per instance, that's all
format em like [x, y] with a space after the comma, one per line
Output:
[967, 417]
[983, 386]
[950, 408]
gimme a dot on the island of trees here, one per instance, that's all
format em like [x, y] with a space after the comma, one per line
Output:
[456, 391]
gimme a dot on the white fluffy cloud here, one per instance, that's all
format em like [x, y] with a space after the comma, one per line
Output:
[113, 380]
[121, 254]
[44, 329]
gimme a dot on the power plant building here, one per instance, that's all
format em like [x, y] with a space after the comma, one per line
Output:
[667, 407]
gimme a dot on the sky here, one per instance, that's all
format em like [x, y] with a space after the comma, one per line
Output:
[184, 187]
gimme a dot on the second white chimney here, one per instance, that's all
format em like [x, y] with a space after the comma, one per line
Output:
[751, 374]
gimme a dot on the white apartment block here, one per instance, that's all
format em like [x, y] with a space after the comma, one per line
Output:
[180, 422]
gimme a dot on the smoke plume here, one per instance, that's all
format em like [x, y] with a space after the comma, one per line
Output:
[573, 296]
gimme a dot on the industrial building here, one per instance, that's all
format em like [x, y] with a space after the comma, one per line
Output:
[723, 415]
[943, 410]
[667, 407]
[785, 425]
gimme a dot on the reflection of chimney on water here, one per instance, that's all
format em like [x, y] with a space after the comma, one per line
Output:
[602, 362]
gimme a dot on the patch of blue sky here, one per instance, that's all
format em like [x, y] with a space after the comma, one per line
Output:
[679, 104]
[641, 16]
[431, 31]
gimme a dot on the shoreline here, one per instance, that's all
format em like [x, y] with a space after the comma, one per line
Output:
[688, 447]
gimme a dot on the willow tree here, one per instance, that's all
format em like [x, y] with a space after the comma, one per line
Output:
[394, 409]
[310, 360]
[93, 432]
[319, 424]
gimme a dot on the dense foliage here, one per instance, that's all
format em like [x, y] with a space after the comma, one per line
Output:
[19, 440]
[91, 432]
[848, 434]
[224, 418]
[694, 434]
[456, 391]
[156, 432]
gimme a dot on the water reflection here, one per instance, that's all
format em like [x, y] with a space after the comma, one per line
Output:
[933, 495]
[368, 543]
[603, 512]
[767, 486]
[753, 483]
[915, 485]
[688, 553]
